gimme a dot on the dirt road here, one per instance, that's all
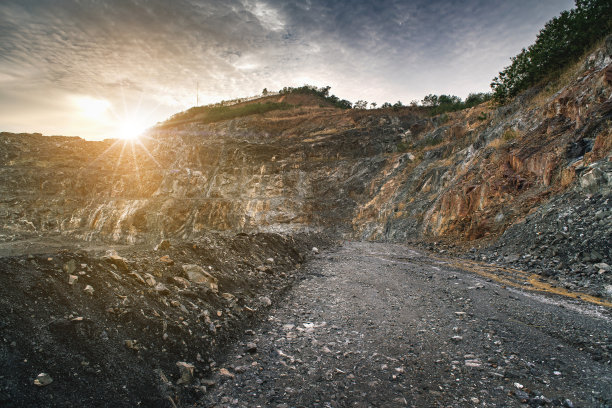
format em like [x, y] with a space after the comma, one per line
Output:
[384, 326]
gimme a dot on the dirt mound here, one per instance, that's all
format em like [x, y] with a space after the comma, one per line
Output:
[137, 326]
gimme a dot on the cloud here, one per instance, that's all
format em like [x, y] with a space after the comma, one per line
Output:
[156, 51]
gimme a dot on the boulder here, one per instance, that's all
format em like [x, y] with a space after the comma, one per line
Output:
[197, 274]
[119, 261]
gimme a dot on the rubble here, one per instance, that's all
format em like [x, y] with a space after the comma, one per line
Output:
[126, 325]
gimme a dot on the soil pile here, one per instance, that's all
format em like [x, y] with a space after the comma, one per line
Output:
[135, 325]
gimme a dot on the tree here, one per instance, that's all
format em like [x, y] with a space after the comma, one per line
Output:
[373, 105]
[344, 104]
[430, 100]
[561, 42]
[360, 104]
[386, 105]
[322, 92]
[474, 99]
[264, 92]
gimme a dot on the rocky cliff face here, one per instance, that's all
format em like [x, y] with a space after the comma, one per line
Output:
[483, 170]
[296, 170]
[376, 174]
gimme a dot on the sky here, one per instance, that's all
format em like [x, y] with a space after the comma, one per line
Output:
[97, 68]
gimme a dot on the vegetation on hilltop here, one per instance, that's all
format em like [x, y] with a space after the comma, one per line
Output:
[562, 41]
[322, 92]
[215, 113]
[451, 103]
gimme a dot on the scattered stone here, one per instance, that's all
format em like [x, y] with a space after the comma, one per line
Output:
[197, 274]
[70, 266]
[161, 289]
[224, 372]
[473, 363]
[241, 369]
[163, 245]
[186, 370]
[251, 347]
[166, 259]
[43, 379]
[512, 258]
[270, 260]
[89, 289]
[521, 395]
[138, 277]
[209, 382]
[150, 280]
[161, 376]
[265, 301]
[456, 339]
[315, 250]
[119, 261]
[72, 279]
[603, 266]
[132, 344]
[182, 282]
[567, 403]
[228, 296]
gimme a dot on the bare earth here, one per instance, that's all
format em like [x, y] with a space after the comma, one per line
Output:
[383, 325]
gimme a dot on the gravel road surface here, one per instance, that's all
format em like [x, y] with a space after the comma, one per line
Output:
[383, 325]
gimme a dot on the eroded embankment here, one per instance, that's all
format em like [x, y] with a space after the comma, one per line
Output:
[125, 326]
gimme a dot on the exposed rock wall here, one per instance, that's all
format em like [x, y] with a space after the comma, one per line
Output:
[483, 170]
[285, 172]
[371, 174]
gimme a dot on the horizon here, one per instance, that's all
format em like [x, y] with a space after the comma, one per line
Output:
[100, 70]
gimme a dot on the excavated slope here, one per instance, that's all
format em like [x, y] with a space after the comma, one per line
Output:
[375, 174]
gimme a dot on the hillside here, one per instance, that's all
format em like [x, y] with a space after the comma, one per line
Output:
[372, 174]
[528, 184]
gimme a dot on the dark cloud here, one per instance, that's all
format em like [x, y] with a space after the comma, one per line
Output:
[156, 50]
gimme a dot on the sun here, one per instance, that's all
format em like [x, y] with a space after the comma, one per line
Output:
[131, 129]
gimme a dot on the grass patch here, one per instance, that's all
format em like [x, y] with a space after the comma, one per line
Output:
[403, 147]
[207, 114]
[509, 135]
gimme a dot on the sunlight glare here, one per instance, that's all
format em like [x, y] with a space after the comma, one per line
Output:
[92, 107]
[131, 129]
